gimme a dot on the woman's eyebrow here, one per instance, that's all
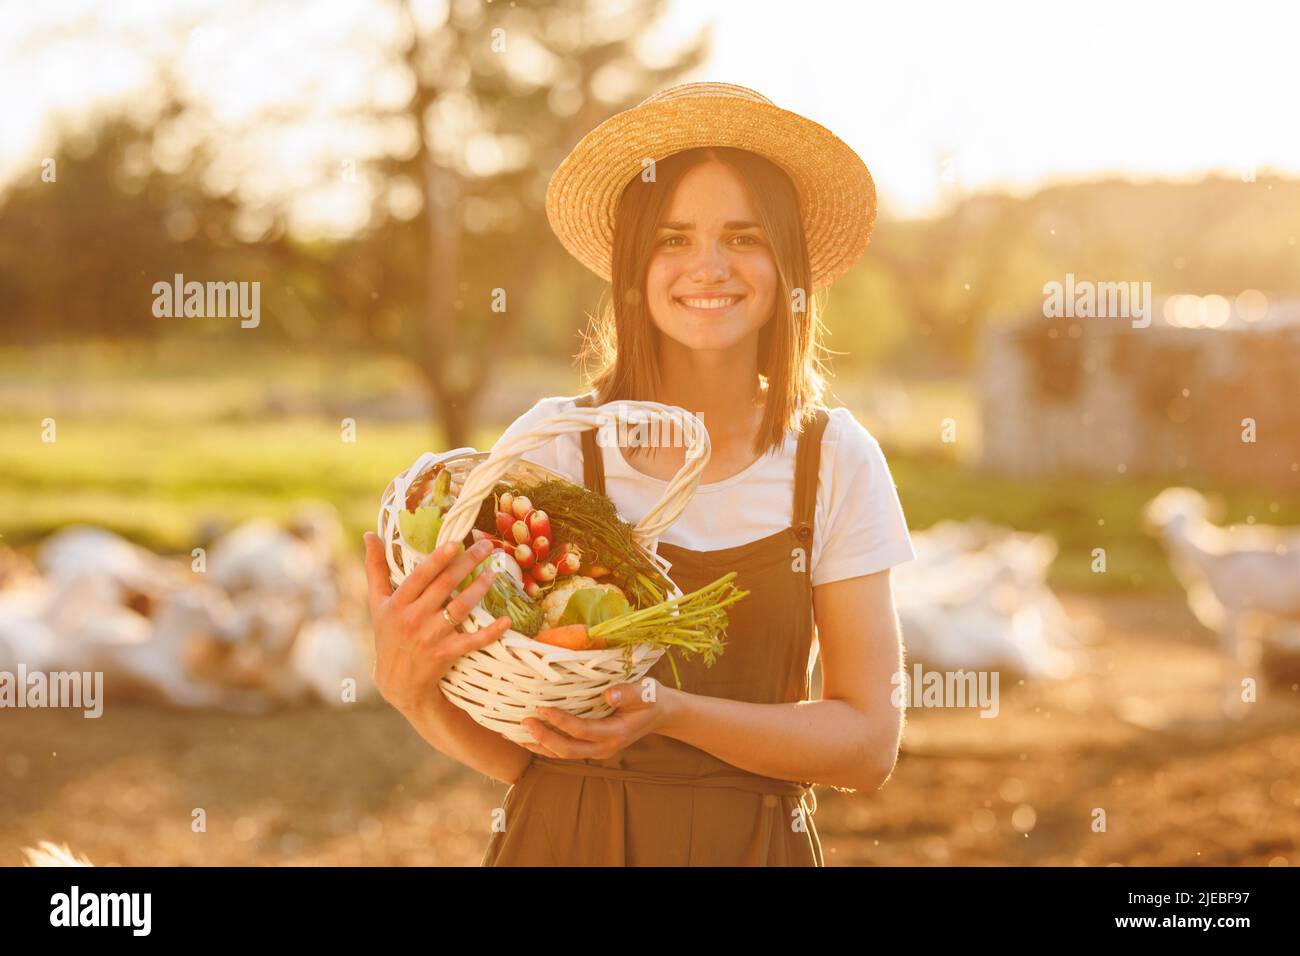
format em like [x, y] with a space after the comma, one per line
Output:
[733, 224]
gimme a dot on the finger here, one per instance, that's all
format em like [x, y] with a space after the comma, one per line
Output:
[438, 581]
[464, 602]
[540, 750]
[580, 728]
[380, 587]
[624, 697]
[561, 744]
[460, 644]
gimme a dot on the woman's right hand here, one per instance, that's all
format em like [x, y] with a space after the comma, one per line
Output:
[414, 644]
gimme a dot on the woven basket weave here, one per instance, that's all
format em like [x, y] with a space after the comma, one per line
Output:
[501, 684]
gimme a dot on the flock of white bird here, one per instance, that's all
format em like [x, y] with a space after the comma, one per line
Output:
[977, 598]
[265, 617]
[275, 620]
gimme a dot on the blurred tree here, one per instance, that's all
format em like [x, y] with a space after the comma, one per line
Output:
[498, 96]
[525, 82]
[86, 234]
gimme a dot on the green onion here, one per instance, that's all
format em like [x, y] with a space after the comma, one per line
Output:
[694, 623]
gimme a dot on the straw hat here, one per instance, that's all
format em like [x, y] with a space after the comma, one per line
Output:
[836, 194]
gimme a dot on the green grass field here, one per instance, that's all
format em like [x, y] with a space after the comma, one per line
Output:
[152, 443]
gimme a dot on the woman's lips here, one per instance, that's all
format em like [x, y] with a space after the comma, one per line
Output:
[712, 308]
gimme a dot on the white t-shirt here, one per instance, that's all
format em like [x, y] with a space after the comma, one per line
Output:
[860, 527]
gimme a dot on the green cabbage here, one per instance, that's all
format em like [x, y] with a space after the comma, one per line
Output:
[591, 606]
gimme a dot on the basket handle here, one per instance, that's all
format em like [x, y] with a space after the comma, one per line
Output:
[479, 483]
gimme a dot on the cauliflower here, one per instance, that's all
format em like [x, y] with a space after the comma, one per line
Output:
[553, 604]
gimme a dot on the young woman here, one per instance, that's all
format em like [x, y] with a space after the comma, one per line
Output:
[714, 214]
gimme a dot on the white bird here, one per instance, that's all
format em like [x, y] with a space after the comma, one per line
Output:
[976, 599]
[25, 635]
[80, 550]
[259, 555]
[327, 653]
[1237, 577]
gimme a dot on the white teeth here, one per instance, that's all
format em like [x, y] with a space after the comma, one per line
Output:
[709, 303]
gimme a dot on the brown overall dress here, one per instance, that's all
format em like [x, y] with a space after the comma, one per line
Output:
[661, 802]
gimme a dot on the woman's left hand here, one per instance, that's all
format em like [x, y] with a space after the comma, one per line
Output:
[639, 709]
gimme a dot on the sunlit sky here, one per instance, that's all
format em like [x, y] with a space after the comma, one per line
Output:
[939, 98]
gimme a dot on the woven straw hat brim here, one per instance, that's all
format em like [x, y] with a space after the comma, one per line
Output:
[836, 192]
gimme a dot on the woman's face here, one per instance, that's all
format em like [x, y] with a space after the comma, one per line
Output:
[712, 279]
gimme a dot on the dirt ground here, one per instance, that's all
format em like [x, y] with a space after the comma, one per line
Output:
[1137, 733]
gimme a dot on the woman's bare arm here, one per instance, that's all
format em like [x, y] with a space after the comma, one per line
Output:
[850, 737]
[451, 731]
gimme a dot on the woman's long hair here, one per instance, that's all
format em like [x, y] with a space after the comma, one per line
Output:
[620, 353]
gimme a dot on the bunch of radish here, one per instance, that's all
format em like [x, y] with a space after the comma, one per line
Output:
[524, 533]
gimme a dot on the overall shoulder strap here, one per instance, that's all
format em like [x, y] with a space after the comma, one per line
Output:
[593, 465]
[807, 466]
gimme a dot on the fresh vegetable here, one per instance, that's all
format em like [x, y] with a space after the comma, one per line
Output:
[580, 515]
[555, 603]
[431, 489]
[506, 596]
[427, 500]
[590, 606]
[420, 530]
[694, 623]
[575, 637]
[539, 525]
[526, 534]
[556, 541]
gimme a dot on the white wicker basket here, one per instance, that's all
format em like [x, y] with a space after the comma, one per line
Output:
[501, 684]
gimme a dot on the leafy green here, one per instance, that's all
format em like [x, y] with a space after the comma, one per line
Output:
[505, 596]
[420, 529]
[592, 606]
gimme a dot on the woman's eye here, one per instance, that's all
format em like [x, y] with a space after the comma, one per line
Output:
[747, 240]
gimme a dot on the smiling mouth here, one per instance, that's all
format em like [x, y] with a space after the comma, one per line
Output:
[708, 305]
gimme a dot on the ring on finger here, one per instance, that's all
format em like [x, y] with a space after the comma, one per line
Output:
[447, 617]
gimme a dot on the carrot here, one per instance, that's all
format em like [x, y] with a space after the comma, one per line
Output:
[572, 636]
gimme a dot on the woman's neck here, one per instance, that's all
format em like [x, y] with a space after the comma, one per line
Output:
[722, 390]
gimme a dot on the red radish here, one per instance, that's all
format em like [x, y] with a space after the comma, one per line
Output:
[520, 506]
[541, 546]
[505, 521]
[532, 588]
[539, 524]
[545, 572]
[519, 531]
[525, 556]
[569, 564]
[503, 503]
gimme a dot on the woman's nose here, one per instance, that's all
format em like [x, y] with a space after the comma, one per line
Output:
[710, 264]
